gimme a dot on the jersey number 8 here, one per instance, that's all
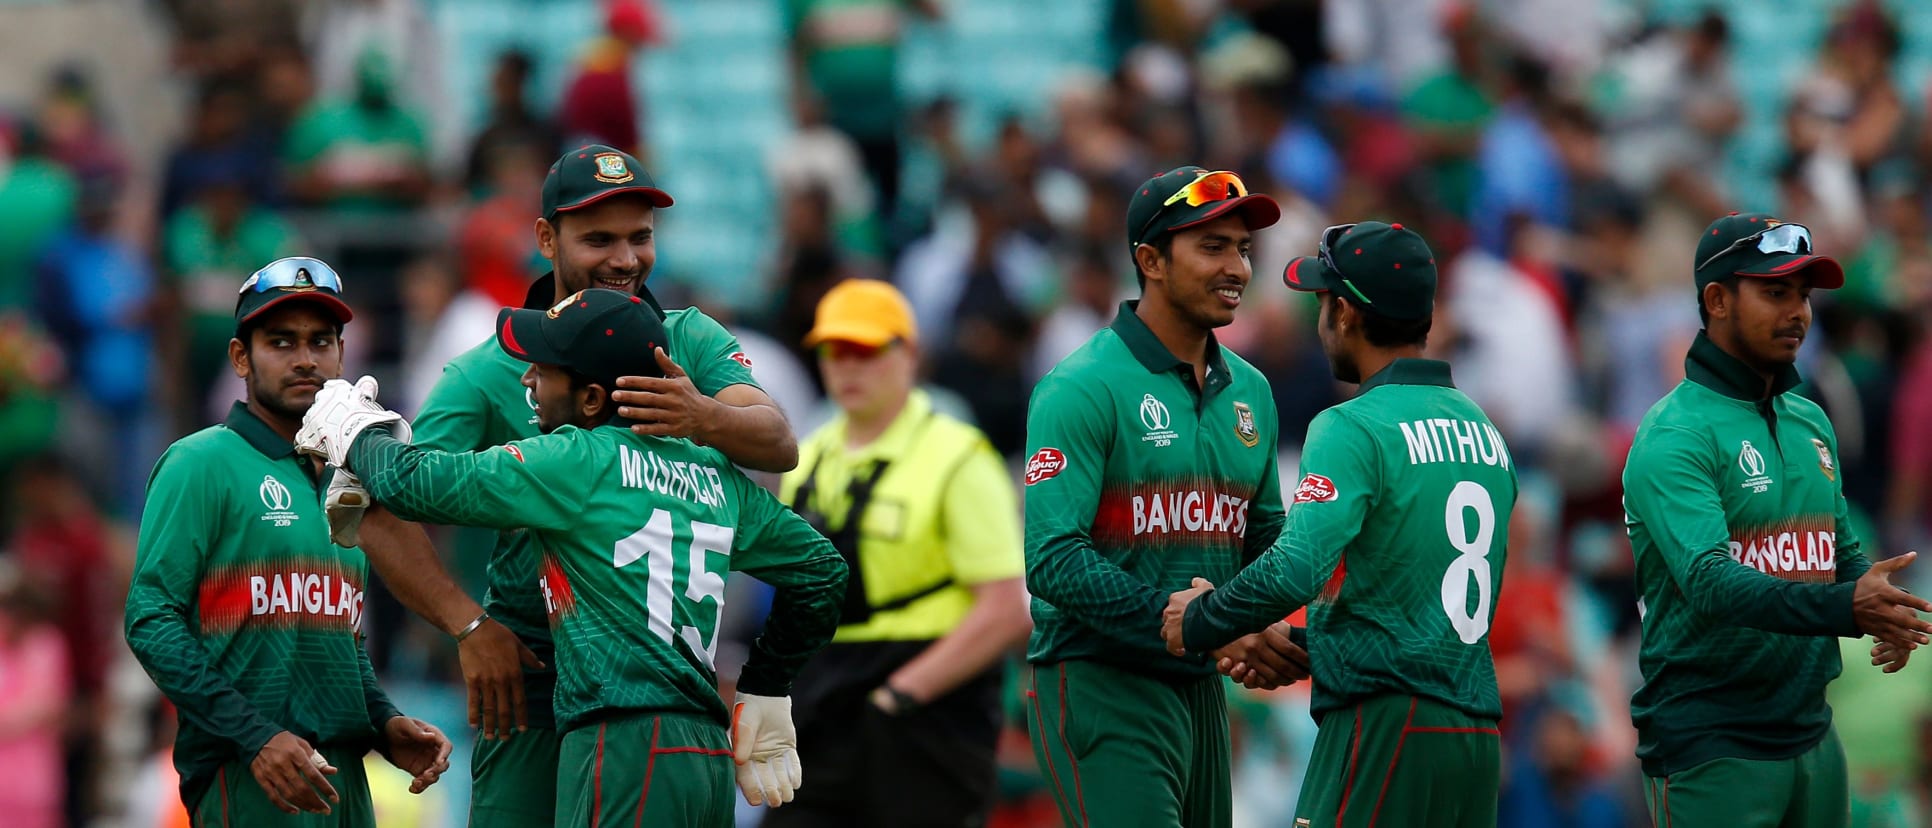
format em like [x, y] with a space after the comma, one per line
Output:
[653, 544]
[1472, 560]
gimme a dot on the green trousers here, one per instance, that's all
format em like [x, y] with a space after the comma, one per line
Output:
[671, 771]
[1810, 790]
[1397, 761]
[238, 801]
[1120, 748]
[513, 782]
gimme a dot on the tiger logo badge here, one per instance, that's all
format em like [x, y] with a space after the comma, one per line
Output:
[1244, 425]
[557, 309]
[1824, 459]
[611, 169]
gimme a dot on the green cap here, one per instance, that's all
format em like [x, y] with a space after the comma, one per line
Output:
[293, 279]
[1781, 249]
[589, 174]
[1158, 206]
[601, 334]
[1386, 268]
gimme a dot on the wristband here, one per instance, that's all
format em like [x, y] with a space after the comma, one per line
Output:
[465, 632]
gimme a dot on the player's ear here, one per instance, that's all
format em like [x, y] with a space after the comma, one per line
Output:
[238, 358]
[594, 401]
[1150, 261]
[547, 239]
[1717, 300]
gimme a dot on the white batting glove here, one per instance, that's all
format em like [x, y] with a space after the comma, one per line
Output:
[765, 747]
[340, 412]
[344, 506]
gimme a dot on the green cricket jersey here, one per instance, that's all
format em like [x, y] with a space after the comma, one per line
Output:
[1137, 482]
[637, 535]
[1395, 541]
[1746, 563]
[242, 610]
[480, 402]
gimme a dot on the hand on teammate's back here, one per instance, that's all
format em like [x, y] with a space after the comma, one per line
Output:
[292, 773]
[1176, 613]
[493, 660]
[418, 748]
[1887, 613]
[668, 406]
[1266, 660]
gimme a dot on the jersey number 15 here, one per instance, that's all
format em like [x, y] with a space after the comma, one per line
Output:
[654, 544]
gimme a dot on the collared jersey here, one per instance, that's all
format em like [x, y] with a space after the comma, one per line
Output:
[480, 402]
[638, 535]
[1395, 541]
[1137, 482]
[1746, 563]
[942, 513]
[241, 609]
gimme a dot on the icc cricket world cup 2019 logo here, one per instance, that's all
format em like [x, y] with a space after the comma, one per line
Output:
[1154, 416]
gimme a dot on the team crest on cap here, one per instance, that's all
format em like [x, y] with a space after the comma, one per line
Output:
[611, 169]
[558, 308]
[1824, 459]
[1244, 425]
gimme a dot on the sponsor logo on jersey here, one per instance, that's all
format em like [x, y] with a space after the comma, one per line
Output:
[1798, 554]
[1155, 418]
[741, 359]
[277, 499]
[611, 168]
[316, 596]
[1315, 488]
[1244, 425]
[1752, 464]
[1044, 464]
[1824, 459]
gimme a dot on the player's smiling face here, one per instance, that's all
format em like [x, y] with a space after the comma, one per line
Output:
[1207, 271]
[1763, 321]
[610, 244]
[292, 349]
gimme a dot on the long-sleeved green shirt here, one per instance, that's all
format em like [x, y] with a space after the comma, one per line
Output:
[1397, 535]
[1746, 564]
[1137, 482]
[242, 610]
[636, 537]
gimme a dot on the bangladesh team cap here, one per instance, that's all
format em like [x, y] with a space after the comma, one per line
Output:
[1386, 268]
[601, 334]
[294, 279]
[865, 311]
[589, 174]
[1186, 196]
[1757, 245]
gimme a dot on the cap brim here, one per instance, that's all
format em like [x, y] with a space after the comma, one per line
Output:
[868, 335]
[519, 333]
[329, 301]
[657, 197]
[1257, 211]
[1307, 274]
[1825, 272]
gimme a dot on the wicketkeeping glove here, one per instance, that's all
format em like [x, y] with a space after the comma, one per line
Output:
[340, 413]
[765, 747]
[344, 506]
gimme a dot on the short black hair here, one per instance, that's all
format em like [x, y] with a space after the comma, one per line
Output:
[1704, 313]
[1387, 332]
[1162, 244]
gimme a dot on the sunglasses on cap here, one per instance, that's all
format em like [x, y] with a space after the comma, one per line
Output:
[835, 349]
[1206, 188]
[293, 273]
[1780, 238]
[1329, 238]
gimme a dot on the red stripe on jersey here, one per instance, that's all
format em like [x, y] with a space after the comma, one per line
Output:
[557, 596]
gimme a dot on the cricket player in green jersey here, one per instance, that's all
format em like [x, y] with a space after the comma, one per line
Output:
[597, 228]
[1747, 564]
[1395, 542]
[244, 612]
[1152, 462]
[637, 535]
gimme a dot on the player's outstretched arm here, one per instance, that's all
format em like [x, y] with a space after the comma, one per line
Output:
[529, 484]
[1668, 489]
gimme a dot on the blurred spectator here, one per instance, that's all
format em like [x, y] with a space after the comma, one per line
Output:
[1509, 347]
[1671, 106]
[809, 263]
[512, 123]
[32, 370]
[362, 155]
[37, 200]
[33, 704]
[72, 124]
[1637, 326]
[210, 246]
[493, 241]
[1519, 169]
[342, 33]
[221, 149]
[598, 107]
[1851, 106]
[818, 157]
[1552, 781]
[1093, 296]
[1448, 110]
[847, 51]
[442, 318]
